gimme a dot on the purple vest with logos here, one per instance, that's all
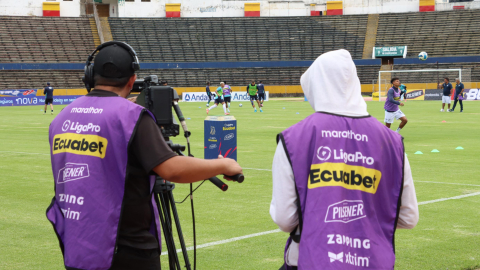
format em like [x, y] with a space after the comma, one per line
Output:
[226, 90]
[389, 106]
[349, 179]
[88, 143]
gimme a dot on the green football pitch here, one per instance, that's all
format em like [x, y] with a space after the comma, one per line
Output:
[234, 228]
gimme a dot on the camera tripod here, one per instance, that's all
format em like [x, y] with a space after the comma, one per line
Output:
[166, 207]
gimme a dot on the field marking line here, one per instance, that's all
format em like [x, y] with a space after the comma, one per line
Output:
[450, 198]
[460, 184]
[227, 240]
[13, 152]
[278, 230]
[257, 169]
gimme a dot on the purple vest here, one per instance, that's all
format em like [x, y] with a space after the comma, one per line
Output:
[89, 141]
[226, 90]
[389, 106]
[349, 179]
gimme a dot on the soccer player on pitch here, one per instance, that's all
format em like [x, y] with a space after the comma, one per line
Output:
[391, 106]
[261, 93]
[209, 94]
[48, 92]
[218, 100]
[252, 91]
[403, 92]
[227, 94]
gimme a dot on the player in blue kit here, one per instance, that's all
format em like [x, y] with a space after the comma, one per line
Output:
[209, 94]
[447, 92]
[48, 92]
[261, 93]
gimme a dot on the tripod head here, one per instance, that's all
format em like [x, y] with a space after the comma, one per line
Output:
[177, 148]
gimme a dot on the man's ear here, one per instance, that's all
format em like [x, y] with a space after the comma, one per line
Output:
[131, 81]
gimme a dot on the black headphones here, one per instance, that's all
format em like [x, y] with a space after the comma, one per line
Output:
[88, 79]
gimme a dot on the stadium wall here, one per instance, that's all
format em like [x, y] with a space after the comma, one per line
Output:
[274, 90]
[212, 8]
[398, 6]
[222, 8]
[367, 68]
[182, 65]
[259, 64]
[35, 8]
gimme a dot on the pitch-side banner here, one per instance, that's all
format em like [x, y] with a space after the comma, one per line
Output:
[472, 94]
[18, 93]
[202, 96]
[415, 94]
[433, 94]
[33, 100]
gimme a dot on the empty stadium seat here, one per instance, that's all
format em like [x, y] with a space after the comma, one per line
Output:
[45, 40]
[33, 79]
[443, 33]
[471, 70]
[240, 39]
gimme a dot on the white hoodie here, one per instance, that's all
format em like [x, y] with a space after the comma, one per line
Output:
[331, 85]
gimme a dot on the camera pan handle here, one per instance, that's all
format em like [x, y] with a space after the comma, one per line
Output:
[237, 177]
[217, 182]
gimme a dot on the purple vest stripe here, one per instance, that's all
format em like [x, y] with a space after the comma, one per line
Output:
[89, 143]
[349, 179]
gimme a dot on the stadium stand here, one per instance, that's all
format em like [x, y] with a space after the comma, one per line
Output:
[240, 39]
[233, 76]
[70, 40]
[26, 79]
[31, 79]
[470, 72]
[45, 39]
[443, 33]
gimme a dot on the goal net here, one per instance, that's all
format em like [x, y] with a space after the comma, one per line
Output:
[415, 80]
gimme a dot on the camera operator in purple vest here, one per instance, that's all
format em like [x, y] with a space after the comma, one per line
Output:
[105, 151]
[341, 181]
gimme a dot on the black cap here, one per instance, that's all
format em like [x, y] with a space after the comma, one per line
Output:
[48, 83]
[113, 62]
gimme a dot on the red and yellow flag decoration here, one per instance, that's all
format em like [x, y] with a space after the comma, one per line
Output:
[334, 8]
[427, 5]
[314, 12]
[252, 9]
[173, 10]
[51, 9]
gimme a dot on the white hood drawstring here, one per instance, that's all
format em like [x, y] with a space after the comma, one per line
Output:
[331, 85]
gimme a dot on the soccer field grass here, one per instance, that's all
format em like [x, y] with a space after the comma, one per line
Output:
[446, 237]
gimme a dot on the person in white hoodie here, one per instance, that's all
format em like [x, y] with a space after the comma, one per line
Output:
[342, 183]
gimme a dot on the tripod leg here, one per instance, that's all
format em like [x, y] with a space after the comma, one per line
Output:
[168, 218]
[167, 232]
[179, 229]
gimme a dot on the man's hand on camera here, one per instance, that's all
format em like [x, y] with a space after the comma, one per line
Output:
[181, 169]
[231, 167]
[133, 99]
